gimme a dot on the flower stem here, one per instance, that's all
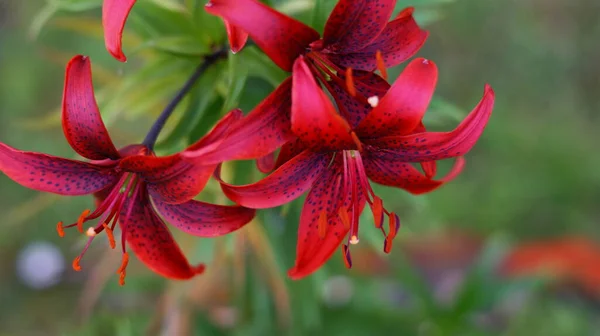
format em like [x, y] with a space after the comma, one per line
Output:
[158, 125]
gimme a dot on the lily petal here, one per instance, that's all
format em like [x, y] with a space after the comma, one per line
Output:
[205, 219]
[403, 175]
[314, 119]
[354, 24]
[368, 85]
[285, 184]
[266, 163]
[432, 146]
[169, 178]
[314, 248]
[54, 174]
[289, 151]
[237, 37]
[399, 41]
[213, 139]
[114, 15]
[281, 37]
[81, 120]
[261, 132]
[152, 242]
[401, 110]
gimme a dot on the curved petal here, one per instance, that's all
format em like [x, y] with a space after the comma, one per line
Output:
[289, 151]
[314, 119]
[237, 37]
[368, 85]
[281, 37]
[432, 146]
[205, 219]
[216, 135]
[151, 241]
[266, 163]
[170, 178]
[114, 15]
[261, 132]
[315, 248]
[54, 174]
[403, 175]
[402, 108]
[285, 184]
[81, 120]
[353, 24]
[399, 41]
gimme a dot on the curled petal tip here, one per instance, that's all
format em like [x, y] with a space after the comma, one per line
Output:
[199, 269]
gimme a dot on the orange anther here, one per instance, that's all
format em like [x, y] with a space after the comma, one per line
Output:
[81, 219]
[60, 229]
[110, 235]
[322, 224]
[346, 255]
[387, 245]
[76, 264]
[393, 226]
[122, 278]
[377, 210]
[124, 263]
[381, 65]
[350, 82]
[356, 141]
[344, 217]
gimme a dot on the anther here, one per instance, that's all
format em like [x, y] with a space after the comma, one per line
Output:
[377, 210]
[387, 245]
[81, 219]
[60, 229]
[350, 82]
[76, 265]
[356, 141]
[110, 235]
[344, 217]
[322, 224]
[346, 255]
[373, 101]
[394, 222]
[381, 65]
[122, 278]
[354, 240]
[124, 263]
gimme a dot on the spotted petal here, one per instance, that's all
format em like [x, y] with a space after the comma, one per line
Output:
[402, 108]
[285, 184]
[281, 37]
[261, 132]
[81, 120]
[430, 146]
[114, 15]
[151, 241]
[54, 174]
[314, 119]
[400, 40]
[204, 219]
[354, 24]
[403, 175]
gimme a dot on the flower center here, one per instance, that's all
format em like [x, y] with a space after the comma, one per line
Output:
[107, 214]
[357, 187]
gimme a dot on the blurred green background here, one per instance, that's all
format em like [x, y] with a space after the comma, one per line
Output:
[533, 176]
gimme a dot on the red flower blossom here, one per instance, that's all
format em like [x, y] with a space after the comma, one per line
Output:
[357, 40]
[124, 182]
[336, 160]
[115, 13]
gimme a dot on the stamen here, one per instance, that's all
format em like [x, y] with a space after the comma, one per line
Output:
[109, 234]
[394, 222]
[344, 217]
[76, 265]
[346, 255]
[60, 229]
[381, 65]
[387, 245]
[322, 224]
[356, 141]
[82, 219]
[377, 210]
[350, 82]
[354, 240]
[373, 101]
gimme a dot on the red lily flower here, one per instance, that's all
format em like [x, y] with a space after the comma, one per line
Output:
[336, 160]
[115, 13]
[124, 182]
[357, 40]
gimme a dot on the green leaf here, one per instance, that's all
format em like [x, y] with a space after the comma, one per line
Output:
[179, 45]
[236, 80]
